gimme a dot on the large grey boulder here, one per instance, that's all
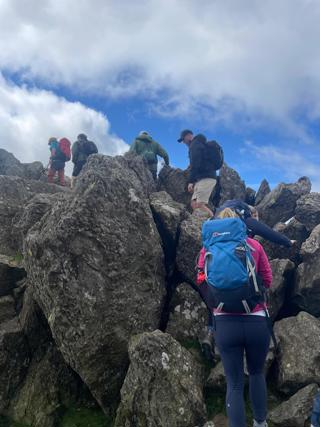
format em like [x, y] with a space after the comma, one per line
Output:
[231, 185]
[250, 196]
[280, 204]
[189, 246]
[14, 360]
[162, 387]
[188, 316]
[175, 183]
[48, 388]
[96, 267]
[308, 274]
[9, 165]
[15, 192]
[168, 215]
[282, 272]
[295, 411]
[7, 308]
[299, 345]
[294, 230]
[263, 190]
[308, 210]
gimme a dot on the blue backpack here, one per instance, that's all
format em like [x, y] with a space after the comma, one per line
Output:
[315, 416]
[232, 283]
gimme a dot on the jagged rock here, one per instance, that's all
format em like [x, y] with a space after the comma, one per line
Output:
[231, 185]
[189, 246]
[299, 345]
[168, 215]
[9, 276]
[33, 211]
[138, 165]
[282, 270]
[14, 360]
[308, 210]
[9, 165]
[97, 272]
[295, 411]
[280, 204]
[49, 386]
[308, 274]
[162, 387]
[7, 308]
[294, 230]
[175, 183]
[250, 196]
[14, 194]
[188, 315]
[217, 379]
[263, 190]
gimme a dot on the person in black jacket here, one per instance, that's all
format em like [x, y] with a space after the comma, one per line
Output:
[202, 178]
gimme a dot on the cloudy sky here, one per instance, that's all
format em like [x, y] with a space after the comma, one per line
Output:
[244, 73]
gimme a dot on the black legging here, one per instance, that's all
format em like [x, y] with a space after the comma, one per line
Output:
[235, 335]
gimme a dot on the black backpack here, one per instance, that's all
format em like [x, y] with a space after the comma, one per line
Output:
[214, 154]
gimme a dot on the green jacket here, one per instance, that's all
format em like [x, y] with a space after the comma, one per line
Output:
[149, 149]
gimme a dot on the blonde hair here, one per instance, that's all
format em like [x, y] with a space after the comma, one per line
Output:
[227, 213]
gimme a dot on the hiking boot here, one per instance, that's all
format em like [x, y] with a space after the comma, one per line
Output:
[207, 347]
[263, 424]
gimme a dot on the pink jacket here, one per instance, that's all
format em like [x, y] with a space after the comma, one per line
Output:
[263, 267]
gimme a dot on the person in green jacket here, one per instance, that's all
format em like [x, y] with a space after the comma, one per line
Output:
[149, 149]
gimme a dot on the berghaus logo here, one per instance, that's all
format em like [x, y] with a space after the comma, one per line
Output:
[216, 234]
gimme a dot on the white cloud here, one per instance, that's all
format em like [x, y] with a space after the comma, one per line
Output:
[29, 117]
[262, 57]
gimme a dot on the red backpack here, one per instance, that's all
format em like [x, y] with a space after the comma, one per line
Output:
[65, 148]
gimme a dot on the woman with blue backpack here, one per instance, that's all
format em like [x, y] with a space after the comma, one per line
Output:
[234, 273]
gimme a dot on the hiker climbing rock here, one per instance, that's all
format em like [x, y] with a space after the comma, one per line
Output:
[254, 227]
[81, 150]
[206, 157]
[60, 154]
[144, 145]
[234, 273]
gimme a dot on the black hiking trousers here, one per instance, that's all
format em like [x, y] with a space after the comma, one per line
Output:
[235, 336]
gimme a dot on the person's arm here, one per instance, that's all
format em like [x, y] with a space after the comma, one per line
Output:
[134, 147]
[162, 153]
[195, 161]
[263, 230]
[264, 268]
[94, 148]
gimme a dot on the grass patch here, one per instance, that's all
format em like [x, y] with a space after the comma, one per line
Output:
[6, 422]
[85, 417]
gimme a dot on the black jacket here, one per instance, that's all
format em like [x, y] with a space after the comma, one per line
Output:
[200, 168]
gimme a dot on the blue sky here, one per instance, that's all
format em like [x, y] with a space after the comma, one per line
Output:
[244, 73]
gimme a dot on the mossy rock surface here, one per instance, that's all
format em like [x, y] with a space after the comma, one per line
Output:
[85, 417]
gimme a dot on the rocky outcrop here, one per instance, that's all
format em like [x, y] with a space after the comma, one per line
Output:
[231, 185]
[308, 210]
[250, 196]
[175, 183]
[9, 165]
[162, 387]
[282, 270]
[168, 215]
[295, 411]
[280, 204]
[14, 360]
[263, 190]
[14, 194]
[7, 308]
[189, 246]
[299, 347]
[49, 387]
[188, 315]
[308, 274]
[294, 230]
[97, 272]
